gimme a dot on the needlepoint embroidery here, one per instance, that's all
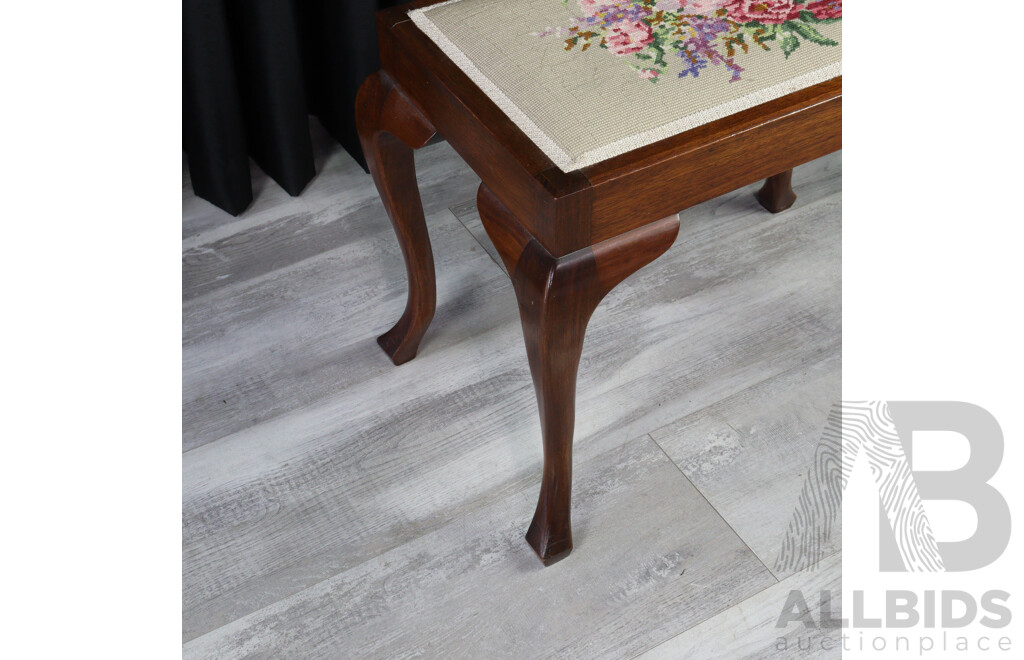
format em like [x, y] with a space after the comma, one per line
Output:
[688, 36]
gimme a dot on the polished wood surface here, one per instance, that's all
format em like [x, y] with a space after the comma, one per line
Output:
[569, 211]
[566, 238]
[557, 296]
[390, 127]
[777, 194]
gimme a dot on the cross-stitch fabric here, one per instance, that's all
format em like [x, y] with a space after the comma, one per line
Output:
[587, 80]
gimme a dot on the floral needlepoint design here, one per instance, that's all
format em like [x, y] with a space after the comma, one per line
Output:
[700, 33]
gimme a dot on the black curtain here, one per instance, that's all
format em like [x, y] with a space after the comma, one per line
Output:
[252, 72]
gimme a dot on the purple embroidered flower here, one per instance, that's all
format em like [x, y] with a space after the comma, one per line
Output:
[701, 48]
[701, 33]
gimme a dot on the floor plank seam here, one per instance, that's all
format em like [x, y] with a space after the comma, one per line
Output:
[796, 368]
[246, 507]
[704, 497]
[736, 604]
[470, 231]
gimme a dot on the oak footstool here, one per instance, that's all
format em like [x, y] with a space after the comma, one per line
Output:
[591, 124]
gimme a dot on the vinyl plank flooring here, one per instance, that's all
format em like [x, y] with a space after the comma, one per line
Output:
[332, 457]
[721, 313]
[282, 505]
[284, 341]
[473, 589]
[750, 454]
[748, 629]
[338, 207]
[662, 335]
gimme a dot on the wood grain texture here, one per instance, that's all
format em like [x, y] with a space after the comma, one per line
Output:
[343, 416]
[570, 211]
[390, 128]
[715, 158]
[279, 231]
[556, 298]
[286, 325]
[326, 457]
[777, 195]
[748, 629]
[566, 238]
[472, 589]
[750, 453]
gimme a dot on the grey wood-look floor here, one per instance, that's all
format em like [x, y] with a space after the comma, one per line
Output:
[336, 506]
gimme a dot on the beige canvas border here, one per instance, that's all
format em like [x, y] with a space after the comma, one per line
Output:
[558, 155]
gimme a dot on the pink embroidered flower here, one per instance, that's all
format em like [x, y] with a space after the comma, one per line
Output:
[627, 37]
[702, 7]
[825, 8]
[648, 74]
[589, 7]
[763, 11]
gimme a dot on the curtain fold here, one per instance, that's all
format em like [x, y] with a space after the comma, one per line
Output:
[253, 70]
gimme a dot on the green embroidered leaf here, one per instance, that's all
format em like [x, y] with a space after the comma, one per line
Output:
[811, 18]
[789, 44]
[660, 58]
[770, 33]
[809, 33]
[671, 30]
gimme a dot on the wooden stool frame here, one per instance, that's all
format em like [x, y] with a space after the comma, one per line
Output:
[567, 239]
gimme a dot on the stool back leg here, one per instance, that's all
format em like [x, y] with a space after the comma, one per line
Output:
[390, 127]
[777, 194]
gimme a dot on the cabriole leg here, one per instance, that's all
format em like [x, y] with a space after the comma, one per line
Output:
[556, 299]
[390, 127]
